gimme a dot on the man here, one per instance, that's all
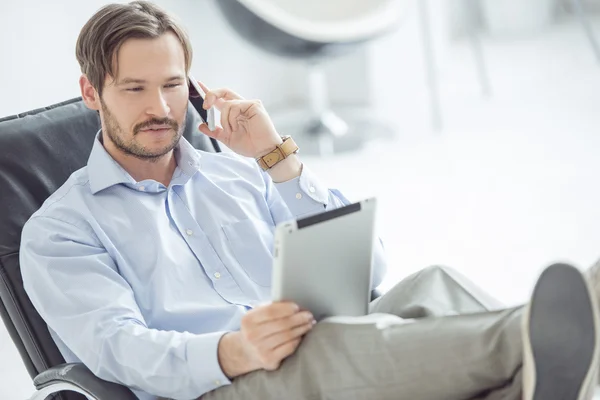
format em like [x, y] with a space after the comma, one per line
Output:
[152, 264]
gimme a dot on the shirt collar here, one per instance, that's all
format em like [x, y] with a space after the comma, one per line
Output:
[104, 171]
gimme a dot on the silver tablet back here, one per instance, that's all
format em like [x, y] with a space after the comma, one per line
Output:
[323, 262]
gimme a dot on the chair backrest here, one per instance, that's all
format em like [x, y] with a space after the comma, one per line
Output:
[38, 152]
[331, 21]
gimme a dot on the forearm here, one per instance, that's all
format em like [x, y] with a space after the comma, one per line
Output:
[287, 169]
[164, 363]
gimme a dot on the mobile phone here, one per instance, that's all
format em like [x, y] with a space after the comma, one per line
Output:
[196, 97]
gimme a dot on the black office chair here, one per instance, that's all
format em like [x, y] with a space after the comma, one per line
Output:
[38, 151]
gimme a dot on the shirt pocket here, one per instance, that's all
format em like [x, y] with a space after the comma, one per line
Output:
[251, 242]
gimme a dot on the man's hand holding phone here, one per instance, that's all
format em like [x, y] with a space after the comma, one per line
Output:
[268, 335]
[246, 128]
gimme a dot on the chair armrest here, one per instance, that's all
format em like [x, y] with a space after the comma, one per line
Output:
[79, 376]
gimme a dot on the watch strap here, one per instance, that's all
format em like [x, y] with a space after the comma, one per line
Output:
[280, 153]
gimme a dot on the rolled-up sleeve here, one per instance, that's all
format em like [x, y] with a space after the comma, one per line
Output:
[305, 195]
[76, 288]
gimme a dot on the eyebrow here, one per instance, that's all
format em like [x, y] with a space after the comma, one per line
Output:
[126, 81]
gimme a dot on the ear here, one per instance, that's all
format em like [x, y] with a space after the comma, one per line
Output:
[89, 94]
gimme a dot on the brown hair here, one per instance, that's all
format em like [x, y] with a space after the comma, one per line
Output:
[102, 36]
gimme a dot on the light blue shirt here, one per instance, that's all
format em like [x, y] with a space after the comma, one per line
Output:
[139, 281]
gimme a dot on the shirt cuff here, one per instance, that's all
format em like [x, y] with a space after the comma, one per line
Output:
[304, 194]
[203, 361]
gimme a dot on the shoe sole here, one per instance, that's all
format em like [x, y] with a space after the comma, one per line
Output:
[561, 335]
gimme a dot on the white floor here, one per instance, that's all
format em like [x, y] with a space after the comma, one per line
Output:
[510, 185]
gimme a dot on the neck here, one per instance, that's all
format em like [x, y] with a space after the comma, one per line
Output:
[160, 169]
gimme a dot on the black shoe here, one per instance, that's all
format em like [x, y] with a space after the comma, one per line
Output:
[560, 337]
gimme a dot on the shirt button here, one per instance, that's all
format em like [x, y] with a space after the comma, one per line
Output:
[217, 275]
[312, 189]
[218, 382]
[141, 188]
[189, 232]
[298, 196]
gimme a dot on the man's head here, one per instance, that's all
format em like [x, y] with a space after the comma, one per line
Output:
[135, 59]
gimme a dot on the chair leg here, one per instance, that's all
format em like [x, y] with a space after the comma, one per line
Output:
[428, 53]
[471, 7]
[587, 27]
[322, 119]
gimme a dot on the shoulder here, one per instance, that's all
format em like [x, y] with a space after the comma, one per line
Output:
[67, 203]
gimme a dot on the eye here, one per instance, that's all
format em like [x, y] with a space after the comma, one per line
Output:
[136, 89]
[173, 85]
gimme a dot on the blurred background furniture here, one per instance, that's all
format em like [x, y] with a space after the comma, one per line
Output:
[472, 31]
[580, 10]
[314, 31]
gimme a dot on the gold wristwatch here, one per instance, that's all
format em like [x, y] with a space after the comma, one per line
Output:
[280, 153]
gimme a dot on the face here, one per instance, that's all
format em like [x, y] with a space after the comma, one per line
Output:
[143, 108]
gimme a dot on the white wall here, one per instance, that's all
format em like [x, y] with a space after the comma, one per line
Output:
[38, 66]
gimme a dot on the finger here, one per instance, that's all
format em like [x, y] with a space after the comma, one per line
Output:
[236, 108]
[204, 87]
[286, 349]
[213, 95]
[268, 329]
[218, 133]
[232, 116]
[219, 104]
[225, 111]
[227, 94]
[282, 336]
[282, 352]
[206, 90]
[280, 309]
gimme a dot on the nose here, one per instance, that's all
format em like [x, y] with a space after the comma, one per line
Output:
[158, 106]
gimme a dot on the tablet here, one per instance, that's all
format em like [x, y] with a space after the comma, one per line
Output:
[323, 262]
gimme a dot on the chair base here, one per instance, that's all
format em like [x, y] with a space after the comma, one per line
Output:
[340, 130]
[46, 391]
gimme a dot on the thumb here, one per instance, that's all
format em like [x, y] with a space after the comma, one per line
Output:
[216, 134]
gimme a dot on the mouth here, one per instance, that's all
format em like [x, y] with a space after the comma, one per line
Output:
[157, 129]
